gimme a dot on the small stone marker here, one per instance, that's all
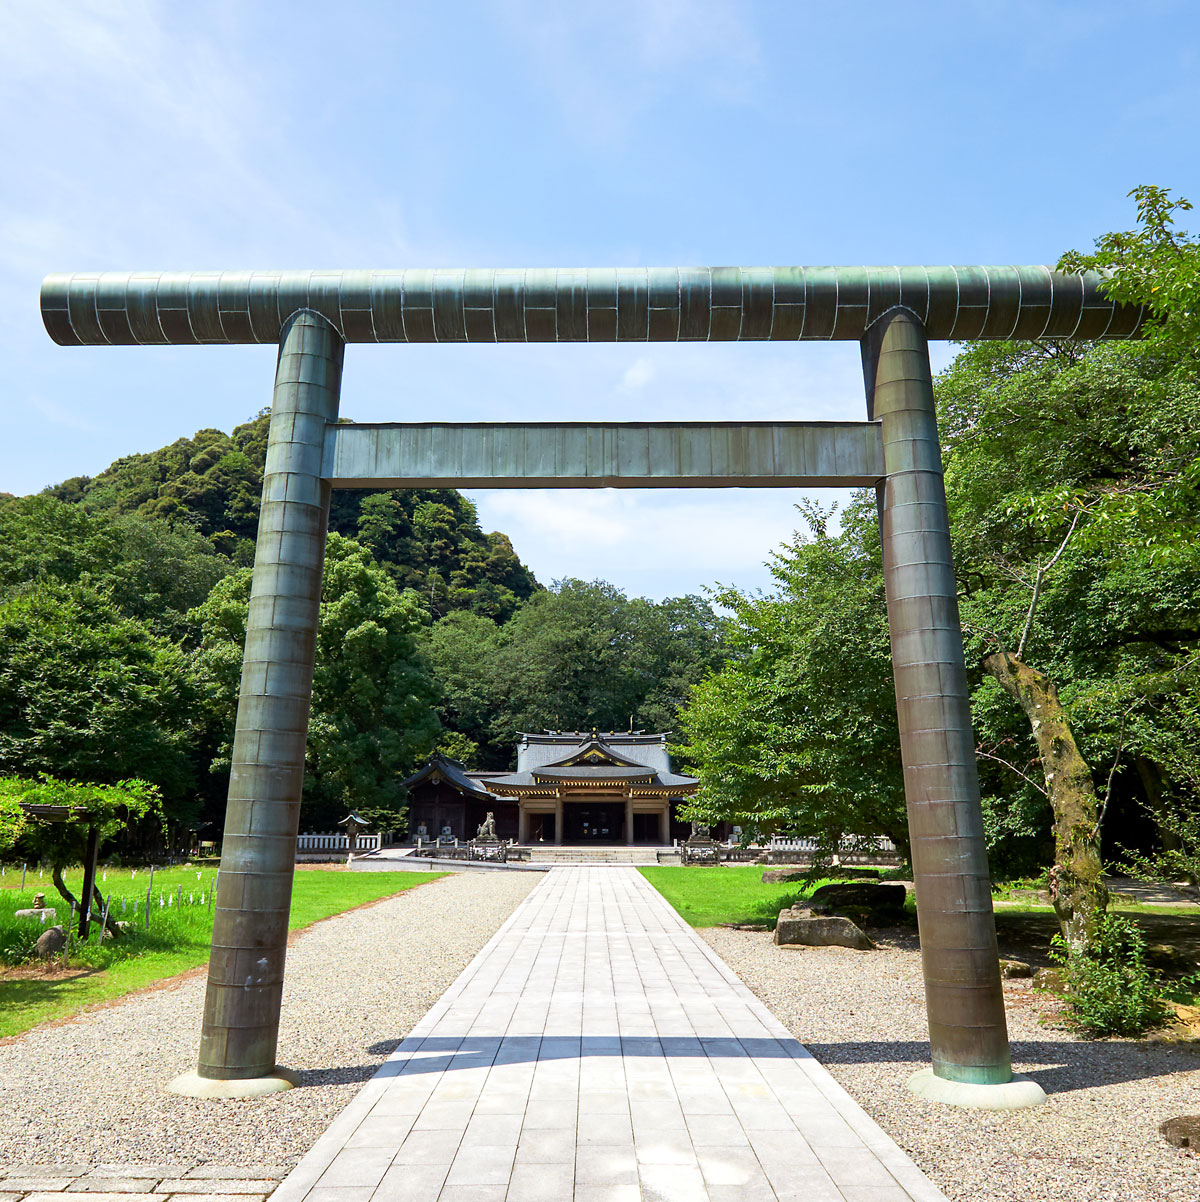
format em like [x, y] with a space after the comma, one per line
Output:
[803, 927]
[37, 914]
[1049, 979]
[1168, 958]
[1183, 1132]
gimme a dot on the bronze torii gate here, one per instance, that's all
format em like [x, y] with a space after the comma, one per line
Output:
[890, 311]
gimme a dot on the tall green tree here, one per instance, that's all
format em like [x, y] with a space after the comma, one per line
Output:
[797, 732]
[88, 694]
[372, 713]
[150, 571]
[573, 657]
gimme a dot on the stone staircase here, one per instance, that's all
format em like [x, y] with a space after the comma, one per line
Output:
[540, 853]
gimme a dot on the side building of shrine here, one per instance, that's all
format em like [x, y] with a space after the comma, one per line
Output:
[569, 787]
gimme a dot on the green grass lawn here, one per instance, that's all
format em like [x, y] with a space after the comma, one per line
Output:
[707, 897]
[176, 940]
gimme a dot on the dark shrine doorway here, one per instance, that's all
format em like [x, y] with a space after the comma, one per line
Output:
[594, 822]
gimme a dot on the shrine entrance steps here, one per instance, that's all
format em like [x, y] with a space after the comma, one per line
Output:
[604, 853]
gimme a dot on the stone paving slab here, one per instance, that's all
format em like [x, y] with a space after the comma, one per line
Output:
[596, 1050]
[144, 1182]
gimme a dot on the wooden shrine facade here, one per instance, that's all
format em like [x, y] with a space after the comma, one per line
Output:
[572, 787]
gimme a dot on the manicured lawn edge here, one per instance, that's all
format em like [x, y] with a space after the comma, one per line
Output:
[33, 1002]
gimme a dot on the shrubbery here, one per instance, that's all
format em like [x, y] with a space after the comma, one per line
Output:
[1109, 989]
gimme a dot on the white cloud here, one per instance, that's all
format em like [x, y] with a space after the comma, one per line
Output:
[660, 542]
[638, 374]
[60, 415]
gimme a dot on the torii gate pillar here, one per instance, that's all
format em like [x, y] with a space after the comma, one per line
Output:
[258, 857]
[968, 1034]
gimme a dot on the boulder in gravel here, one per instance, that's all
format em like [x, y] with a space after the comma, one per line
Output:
[1049, 979]
[1183, 1132]
[803, 927]
[50, 942]
[877, 899]
[779, 876]
[1015, 968]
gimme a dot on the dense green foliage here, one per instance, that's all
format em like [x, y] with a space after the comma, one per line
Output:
[89, 694]
[1108, 989]
[372, 709]
[797, 731]
[1070, 475]
[427, 540]
[574, 657]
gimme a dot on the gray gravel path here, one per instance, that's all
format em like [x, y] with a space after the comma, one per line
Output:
[91, 1092]
[862, 1015]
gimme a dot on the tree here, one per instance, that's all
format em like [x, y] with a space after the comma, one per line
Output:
[372, 712]
[108, 809]
[797, 732]
[87, 694]
[1067, 474]
[576, 656]
[150, 571]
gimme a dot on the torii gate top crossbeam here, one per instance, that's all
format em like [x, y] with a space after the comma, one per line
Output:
[667, 304]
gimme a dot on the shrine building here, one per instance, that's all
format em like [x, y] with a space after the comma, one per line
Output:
[569, 787]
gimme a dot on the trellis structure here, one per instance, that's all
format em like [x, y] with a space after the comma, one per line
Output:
[890, 311]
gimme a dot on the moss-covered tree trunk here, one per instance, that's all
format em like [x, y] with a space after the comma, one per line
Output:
[1077, 886]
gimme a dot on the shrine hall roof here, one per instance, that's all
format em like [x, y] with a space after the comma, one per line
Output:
[451, 771]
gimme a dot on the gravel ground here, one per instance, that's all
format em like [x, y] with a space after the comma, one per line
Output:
[862, 1015]
[92, 1091]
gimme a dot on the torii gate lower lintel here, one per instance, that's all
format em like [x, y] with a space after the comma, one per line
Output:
[311, 315]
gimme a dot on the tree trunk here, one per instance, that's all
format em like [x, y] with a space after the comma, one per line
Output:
[1152, 784]
[1077, 886]
[57, 877]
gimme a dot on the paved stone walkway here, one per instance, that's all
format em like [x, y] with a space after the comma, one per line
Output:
[596, 1050]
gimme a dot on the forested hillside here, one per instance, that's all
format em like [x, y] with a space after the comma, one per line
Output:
[123, 601]
[425, 539]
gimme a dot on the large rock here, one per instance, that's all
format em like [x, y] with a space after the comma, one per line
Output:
[803, 927]
[1015, 968]
[877, 900]
[50, 942]
[780, 876]
[39, 914]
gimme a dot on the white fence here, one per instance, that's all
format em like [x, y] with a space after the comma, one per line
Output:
[310, 843]
[879, 846]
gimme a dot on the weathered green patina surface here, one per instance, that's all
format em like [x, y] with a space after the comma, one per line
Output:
[891, 311]
[598, 304]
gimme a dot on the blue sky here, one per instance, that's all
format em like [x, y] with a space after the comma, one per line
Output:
[518, 134]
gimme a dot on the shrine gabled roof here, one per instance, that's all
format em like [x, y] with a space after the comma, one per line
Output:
[617, 775]
[593, 772]
[536, 751]
[596, 750]
[442, 767]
